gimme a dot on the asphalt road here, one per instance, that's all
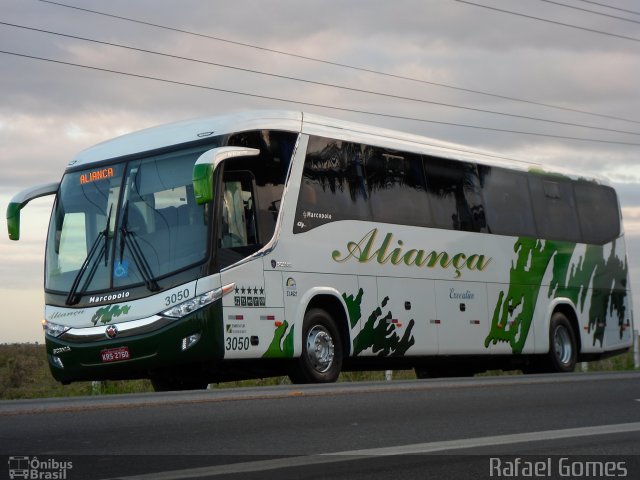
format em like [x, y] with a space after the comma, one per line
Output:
[582, 425]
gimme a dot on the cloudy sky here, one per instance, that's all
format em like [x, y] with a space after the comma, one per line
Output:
[468, 72]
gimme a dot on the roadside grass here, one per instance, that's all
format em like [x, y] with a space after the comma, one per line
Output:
[24, 373]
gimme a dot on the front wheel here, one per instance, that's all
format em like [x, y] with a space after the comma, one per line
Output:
[321, 358]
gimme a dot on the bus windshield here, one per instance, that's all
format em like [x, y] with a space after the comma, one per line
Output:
[125, 224]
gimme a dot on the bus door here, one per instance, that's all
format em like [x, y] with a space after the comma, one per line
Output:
[245, 336]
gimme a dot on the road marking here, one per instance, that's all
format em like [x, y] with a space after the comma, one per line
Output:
[418, 448]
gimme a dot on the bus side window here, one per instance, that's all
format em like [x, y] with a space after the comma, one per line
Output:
[597, 212]
[455, 195]
[238, 226]
[507, 202]
[554, 208]
[269, 172]
[333, 185]
[397, 189]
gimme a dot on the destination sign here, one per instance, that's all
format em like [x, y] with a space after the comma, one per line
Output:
[94, 176]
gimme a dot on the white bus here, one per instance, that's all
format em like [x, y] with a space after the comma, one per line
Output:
[270, 243]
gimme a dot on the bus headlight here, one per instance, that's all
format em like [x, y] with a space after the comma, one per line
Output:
[193, 304]
[53, 329]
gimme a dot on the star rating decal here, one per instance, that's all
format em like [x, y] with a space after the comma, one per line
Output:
[249, 296]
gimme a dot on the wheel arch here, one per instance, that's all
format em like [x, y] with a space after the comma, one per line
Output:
[331, 301]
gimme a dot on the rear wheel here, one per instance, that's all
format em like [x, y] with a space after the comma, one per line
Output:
[563, 349]
[321, 358]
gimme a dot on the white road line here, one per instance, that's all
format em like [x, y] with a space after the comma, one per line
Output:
[418, 448]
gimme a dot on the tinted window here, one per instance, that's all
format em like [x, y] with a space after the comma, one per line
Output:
[598, 212]
[554, 208]
[455, 195]
[397, 187]
[333, 184]
[348, 181]
[269, 172]
[507, 202]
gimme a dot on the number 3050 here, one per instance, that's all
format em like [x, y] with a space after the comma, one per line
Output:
[176, 297]
[237, 343]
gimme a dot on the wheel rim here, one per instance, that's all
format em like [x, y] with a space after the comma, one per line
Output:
[320, 349]
[562, 345]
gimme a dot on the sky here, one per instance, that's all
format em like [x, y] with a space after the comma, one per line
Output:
[467, 71]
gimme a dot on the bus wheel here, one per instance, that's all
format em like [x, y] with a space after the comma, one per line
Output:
[563, 350]
[321, 358]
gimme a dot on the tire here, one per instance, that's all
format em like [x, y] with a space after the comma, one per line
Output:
[321, 358]
[563, 348]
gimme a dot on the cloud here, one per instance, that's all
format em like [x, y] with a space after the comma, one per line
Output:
[50, 112]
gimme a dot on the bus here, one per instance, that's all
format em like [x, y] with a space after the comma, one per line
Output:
[268, 243]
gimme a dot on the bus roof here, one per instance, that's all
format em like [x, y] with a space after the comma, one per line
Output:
[163, 136]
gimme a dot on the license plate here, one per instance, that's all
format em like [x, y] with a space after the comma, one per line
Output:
[115, 354]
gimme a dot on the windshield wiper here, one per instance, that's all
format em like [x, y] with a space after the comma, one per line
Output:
[73, 296]
[128, 238]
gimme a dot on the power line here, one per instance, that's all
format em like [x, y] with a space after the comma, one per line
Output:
[342, 65]
[590, 11]
[310, 104]
[531, 17]
[313, 82]
[609, 6]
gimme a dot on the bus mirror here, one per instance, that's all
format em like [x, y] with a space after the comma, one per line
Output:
[19, 200]
[206, 165]
[13, 221]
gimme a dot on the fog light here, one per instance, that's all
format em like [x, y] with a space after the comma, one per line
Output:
[56, 361]
[190, 341]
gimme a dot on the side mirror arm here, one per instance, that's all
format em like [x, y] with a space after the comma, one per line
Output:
[18, 202]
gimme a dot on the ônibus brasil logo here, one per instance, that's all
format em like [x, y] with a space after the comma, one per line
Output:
[35, 468]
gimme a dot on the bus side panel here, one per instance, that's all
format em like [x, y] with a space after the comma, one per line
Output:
[590, 279]
[504, 323]
[251, 325]
[615, 296]
[462, 312]
[403, 321]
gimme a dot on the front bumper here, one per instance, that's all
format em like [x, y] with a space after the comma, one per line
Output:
[79, 357]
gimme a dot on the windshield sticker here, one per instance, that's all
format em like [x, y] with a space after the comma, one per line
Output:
[121, 269]
[366, 249]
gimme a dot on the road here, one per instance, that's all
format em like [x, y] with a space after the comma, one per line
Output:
[448, 428]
